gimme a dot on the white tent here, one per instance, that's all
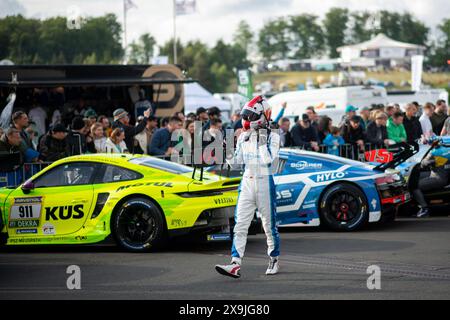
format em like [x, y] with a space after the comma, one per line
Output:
[379, 47]
[195, 96]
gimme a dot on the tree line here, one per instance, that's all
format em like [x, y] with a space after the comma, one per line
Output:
[98, 40]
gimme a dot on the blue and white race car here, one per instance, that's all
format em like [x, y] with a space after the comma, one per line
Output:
[342, 194]
[319, 189]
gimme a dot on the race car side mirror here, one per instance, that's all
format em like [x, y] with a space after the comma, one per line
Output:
[27, 187]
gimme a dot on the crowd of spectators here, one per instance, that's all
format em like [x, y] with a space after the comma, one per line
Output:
[87, 132]
[377, 126]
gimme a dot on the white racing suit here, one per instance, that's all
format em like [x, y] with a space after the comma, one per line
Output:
[257, 190]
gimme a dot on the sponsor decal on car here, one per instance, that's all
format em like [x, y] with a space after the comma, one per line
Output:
[301, 165]
[26, 231]
[25, 212]
[329, 176]
[223, 200]
[148, 184]
[64, 212]
[48, 229]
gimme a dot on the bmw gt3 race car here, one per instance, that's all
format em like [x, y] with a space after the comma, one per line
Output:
[139, 200]
[319, 189]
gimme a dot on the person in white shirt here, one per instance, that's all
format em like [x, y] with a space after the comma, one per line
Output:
[98, 137]
[115, 143]
[424, 120]
[38, 115]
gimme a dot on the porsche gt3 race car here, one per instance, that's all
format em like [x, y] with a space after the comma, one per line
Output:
[319, 189]
[139, 200]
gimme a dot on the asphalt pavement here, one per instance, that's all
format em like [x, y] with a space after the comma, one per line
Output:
[413, 256]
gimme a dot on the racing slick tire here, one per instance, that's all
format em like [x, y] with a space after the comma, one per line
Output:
[343, 207]
[138, 226]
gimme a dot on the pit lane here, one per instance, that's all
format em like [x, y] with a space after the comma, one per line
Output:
[413, 255]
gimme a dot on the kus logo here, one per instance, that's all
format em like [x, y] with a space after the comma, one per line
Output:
[64, 212]
[284, 194]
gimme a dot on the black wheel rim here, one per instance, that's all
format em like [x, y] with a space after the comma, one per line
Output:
[344, 207]
[137, 225]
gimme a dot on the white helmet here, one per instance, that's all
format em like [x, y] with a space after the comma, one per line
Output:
[256, 113]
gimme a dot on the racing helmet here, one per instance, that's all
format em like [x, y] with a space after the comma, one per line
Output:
[256, 113]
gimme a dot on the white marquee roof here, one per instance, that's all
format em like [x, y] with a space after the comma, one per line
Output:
[381, 41]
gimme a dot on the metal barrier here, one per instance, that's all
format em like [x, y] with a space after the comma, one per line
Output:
[17, 177]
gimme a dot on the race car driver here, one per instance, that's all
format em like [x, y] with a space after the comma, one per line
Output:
[257, 148]
[430, 175]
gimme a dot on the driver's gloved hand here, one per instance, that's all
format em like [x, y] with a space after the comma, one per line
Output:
[262, 137]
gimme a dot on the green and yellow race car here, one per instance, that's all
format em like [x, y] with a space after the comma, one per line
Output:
[141, 201]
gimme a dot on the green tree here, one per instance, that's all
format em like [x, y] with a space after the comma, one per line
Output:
[243, 36]
[413, 30]
[335, 26]
[441, 47]
[142, 50]
[273, 39]
[306, 36]
[361, 26]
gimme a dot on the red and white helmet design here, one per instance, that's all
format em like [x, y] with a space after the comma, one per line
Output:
[256, 113]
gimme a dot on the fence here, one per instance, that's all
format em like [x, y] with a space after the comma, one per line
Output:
[17, 177]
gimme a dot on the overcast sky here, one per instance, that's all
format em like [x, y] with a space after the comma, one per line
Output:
[215, 19]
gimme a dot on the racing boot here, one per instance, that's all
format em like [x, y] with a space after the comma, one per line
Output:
[273, 267]
[423, 212]
[231, 270]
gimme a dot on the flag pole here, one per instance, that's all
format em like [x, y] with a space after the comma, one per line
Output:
[125, 29]
[174, 33]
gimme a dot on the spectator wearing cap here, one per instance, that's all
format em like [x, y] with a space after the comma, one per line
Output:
[202, 115]
[350, 112]
[439, 116]
[122, 120]
[425, 123]
[53, 145]
[91, 117]
[162, 144]
[376, 133]
[353, 134]
[365, 117]
[304, 135]
[411, 123]
[191, 116]
[213, 113]
[144, 138]
[76, 138]
[395, 129]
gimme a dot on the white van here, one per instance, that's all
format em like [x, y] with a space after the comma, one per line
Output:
[331, 102]
[422, 96]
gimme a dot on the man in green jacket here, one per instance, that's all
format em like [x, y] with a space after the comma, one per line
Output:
[395, 129]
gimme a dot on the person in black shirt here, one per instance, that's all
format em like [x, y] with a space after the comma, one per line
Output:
[304, 135]
[376, 133]
[412, 125]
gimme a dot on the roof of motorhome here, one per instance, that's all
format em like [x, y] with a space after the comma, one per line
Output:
[56, 75]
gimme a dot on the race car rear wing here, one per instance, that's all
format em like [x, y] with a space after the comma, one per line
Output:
[400, 152]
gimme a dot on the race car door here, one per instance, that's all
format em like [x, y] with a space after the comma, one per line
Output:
[58, 203]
